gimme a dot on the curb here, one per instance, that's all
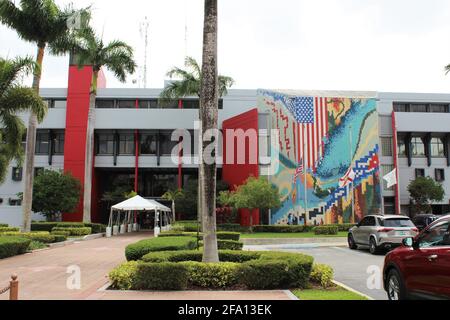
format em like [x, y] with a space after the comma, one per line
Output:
[352, 290]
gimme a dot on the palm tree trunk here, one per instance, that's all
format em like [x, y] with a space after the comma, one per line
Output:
[30, 148]
[89, 153]
[209, 100]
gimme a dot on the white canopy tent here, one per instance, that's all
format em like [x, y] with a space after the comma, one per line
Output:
[123, 216]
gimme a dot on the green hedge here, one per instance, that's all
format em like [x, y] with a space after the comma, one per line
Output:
[48, 226]
[61, 233]
[43, 226]
[4, 225]
[212, 275]
[221, 235]
[323, 275]
[233, 227]
[41, 236]
[281, 229]
[9, 229]
[326, 230]
[227, 245]
[190, 255]
[59, 238]
[161, 276]
[74, 232]
[96, 227]
[139, 249]
[188, 226]
[12, 246]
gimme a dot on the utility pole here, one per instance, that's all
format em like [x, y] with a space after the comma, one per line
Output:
[351, 167]
[144, 34]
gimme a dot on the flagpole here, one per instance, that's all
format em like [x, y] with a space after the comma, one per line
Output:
[304, 173]
[351, 167]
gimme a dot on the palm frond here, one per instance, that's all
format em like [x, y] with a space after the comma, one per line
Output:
[193, 65]
[225, 83]
[11, 70]
[20, 99]
[447, 69]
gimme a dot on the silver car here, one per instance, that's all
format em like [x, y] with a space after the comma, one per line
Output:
[381, 232]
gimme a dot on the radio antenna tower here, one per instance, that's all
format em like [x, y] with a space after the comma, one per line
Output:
[144, 34]
[185, 30]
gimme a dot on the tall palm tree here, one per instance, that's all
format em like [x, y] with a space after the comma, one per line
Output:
[209, 105]
[15, 98]
[41, 22]
[117, 56]
[189, 85]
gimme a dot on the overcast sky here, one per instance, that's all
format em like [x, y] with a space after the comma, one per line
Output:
[380, 45]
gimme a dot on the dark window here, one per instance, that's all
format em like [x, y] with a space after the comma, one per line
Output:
[191, 104]
[436, 236]
[1, 200]
[148, 104]
[126, 104]
[148, 142]
[166, 144]
[437, 148]
[401, 147]
[397, 223]
[17, 174]
[400, 107]
[15, 202]
[42, 142]
[168, 104]
[417, 147]
[105, 104]
[418, 108]
[440, 175]
[126, 143]
[105, 144]
[220, 103]
[58, 142]
[420, 173]
[389, 206]
[439, 108]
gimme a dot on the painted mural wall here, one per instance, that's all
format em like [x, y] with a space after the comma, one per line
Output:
[331, 144]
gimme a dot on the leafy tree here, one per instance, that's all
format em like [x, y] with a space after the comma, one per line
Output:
[41, 22]
[173, 196]
[424, 191]
[15, 98]
[55, 193]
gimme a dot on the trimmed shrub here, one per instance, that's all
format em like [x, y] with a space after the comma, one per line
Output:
[61, 233]
[12, 246]
[43, 226]
[232, 227]
[42, 236]
[177, 234]
[212, 275]
[326, 230]
[74, 232]
[139, 249]
[59, 238]
[188, 226]
[161, 276]
[221, 235]
[48, 226]
[345, 227]
[70, 225]
[123, 276]
[322, 274]
[191, 255]
[4, 225]
[281, 229]
[229, 245]
[238, 256]
[227, 235]
[9, 229]
[96, 227]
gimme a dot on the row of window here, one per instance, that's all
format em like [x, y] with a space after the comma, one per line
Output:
[418, 146]
[47, 140]
[422, 107]
[149, 104]
[439, 174]
[12, 202]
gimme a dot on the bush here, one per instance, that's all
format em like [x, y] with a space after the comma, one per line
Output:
[326, 230]
[221, 235]
[123, 276]
[226, 235]
[189, 226]
[74, 232]
[345, 227]
[190, 255]
[70, 225]
[212, 275]
[229, 245]
[59, 238]
[41, 236]
[282, 229]
[4, 225]
[12, 246]
[161, 276]
[139, 249]
[322, 274]
[232, 227]
[96, 227]
[36, 245]
[43, 226]
[61, 233]
[177, 234]
[8, 229]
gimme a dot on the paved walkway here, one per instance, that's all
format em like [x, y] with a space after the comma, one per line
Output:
[43, 275]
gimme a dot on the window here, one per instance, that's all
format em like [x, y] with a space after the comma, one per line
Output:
[166, 143]
[105, 104]
[389, 206]
[17, 174]
[42, 142]
[440, 175]
[386, 146]
[436, 236]
[400, 107]
[420, 173]
[418, 108]
[191, 104]
[126, 104]
[58, 142]
[220, 104]
[126, 143]
[168, 104]
[437, 148]
[148, 104]
[148, 143]
[15, 202]
[105, 144]
[417, 147]
[439, 108]
[397, 223]
[59, 104]
[401, 147]
[386, 168]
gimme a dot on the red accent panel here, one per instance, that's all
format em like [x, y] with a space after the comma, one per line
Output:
[76, 125]
[180, 155]
[397, 186]
[136, 156]
[236, 174]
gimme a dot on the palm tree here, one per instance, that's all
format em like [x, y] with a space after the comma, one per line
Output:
[15, 98]
[189, 85]
[117, 56]
[41, 22]
[209, 108]
[172, 196]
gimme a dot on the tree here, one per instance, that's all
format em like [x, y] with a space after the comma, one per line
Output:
[254, 194]
[117, 56]
[173, 196]
[15, 98]
[424, 191]
[41, 22]
[55, 193]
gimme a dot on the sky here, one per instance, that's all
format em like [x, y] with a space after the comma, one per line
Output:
[376, 45]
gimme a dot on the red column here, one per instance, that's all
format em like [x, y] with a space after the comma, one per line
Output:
[136, 155]
[180, 155]
[397, 186]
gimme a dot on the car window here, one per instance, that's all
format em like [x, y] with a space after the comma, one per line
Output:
[397, 223]
[371, 221]
[438, 235]
[363, 222]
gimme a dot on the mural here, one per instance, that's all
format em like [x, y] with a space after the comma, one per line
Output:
[331, 145]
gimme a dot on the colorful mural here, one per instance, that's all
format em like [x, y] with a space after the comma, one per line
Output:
[321, 141]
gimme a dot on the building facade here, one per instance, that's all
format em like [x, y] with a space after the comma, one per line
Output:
[133, 146]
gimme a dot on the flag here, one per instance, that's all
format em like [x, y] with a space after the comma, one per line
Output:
[310, 128]
[348, 178]
[391, 178]
[298, 171]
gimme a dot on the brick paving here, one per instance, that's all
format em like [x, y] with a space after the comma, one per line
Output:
[43, 274]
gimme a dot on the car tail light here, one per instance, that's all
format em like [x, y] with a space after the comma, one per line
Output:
[384, 230]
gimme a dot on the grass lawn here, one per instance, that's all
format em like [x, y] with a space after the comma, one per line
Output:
[290, 235]
[329, 294]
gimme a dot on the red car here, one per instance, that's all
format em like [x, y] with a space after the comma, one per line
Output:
[421, 267]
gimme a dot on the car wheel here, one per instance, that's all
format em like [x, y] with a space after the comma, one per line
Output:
[351, 242]
[373, 248]
[395, 287]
